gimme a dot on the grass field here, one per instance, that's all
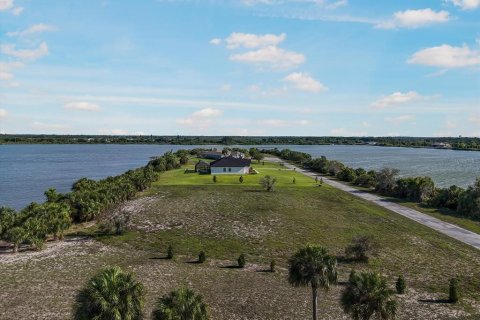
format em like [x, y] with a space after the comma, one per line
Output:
[226, 219]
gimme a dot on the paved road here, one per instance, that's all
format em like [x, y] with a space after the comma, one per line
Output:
[463, 235]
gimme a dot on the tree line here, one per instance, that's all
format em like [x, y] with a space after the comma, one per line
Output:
[459, 143]
[464, 201]
[85, 202]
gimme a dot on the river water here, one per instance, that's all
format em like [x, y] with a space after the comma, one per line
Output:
[26, 171]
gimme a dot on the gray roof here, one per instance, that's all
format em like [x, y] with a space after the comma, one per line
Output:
[231, 162]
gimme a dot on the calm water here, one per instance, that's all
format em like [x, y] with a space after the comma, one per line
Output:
[26, 171]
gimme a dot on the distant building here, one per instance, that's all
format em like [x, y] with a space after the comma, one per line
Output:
[237, 154]
[210, 154]
[230, 165]
[442, 145]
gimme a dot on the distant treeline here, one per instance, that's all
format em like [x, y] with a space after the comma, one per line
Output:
[459, 143]
[466, 202]
[85, 202]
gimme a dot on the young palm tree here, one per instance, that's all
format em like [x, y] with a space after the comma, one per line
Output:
[312, 265]
[110, 295]
[367, 294]
[182, 304]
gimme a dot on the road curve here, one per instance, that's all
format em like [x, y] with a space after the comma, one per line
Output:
[460, 234]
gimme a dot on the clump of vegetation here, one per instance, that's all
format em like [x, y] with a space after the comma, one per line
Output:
[453, 291]
[214, 179]
[170, 252]
[361, 247]
[268, 182]
[241, 261]
[116, 223]
[294, 180]
[312, 266]
[181, 304]
[367, 295]
[240, 179]
[110, 293]
[401, 285]
[273, 265]
[202, 257]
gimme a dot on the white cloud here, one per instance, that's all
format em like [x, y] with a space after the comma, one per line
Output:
[50, 127]
[82, 105]
[282, 123]
[446, 56]
[216, 41]
[466, 4]
[4, 75]
[323, 3]
[3, 113]
[271, 56]
[396, 98]
[6, 69]
[475, 118]
[415, 19]
[201, 120]
[6, 5]
[347, 133]
[400, 119]
[17, 11]
[249, 40]
[225, 87]
[304, 82]
[36, 28]
[25, 54]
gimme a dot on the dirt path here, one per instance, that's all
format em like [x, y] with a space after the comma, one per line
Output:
[460, 234]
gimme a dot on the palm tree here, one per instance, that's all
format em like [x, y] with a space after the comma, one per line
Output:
[182, 304]
[110, 295]
[313, 265]
[367, 294]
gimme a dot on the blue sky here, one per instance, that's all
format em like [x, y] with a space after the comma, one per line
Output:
[244, 67]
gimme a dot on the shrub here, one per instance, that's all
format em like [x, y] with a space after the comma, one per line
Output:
[294, 180]
[115, 224]
[273, 264]
[268, 182]
[351, 277]
[241, 261]
[240, 179]
[170, 252]
[401, 285]
[202, 257]
[453, 291]
[214, 179]
[360, 248]
[347, 174]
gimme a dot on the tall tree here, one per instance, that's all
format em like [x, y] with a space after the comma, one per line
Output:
[182, 304]
[110, 295]
[367, 294]
[313, 266]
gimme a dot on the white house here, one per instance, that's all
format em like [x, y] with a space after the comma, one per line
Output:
[230, 165]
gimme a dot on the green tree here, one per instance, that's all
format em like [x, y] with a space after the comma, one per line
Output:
[453, 292]
[202, 257]
[367, 295]
[268, 182]
[170, 252]
[214, 179]
[16, 236]
[312, 266]
[241, 261]
[110, 295]
[182, 304]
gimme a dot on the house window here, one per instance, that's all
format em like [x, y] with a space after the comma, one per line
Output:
[224, 169]
[229, 169]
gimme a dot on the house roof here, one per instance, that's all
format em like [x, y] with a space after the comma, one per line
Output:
[203, 163]
[231, 162]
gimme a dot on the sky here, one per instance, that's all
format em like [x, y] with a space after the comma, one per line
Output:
[243, 67]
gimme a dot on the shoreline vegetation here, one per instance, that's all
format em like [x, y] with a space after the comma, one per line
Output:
[420, 190]
[449, 143]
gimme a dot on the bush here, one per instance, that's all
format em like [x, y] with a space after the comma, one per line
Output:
[241, 261]
[273, 264]
[401, 285]
[347, 174]
[170, 252]
[202, 257]
[240, 179]
[214, 179]
[360, 248]
[294, 180]
[115, 224]
[453, 292]
[268, 182]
